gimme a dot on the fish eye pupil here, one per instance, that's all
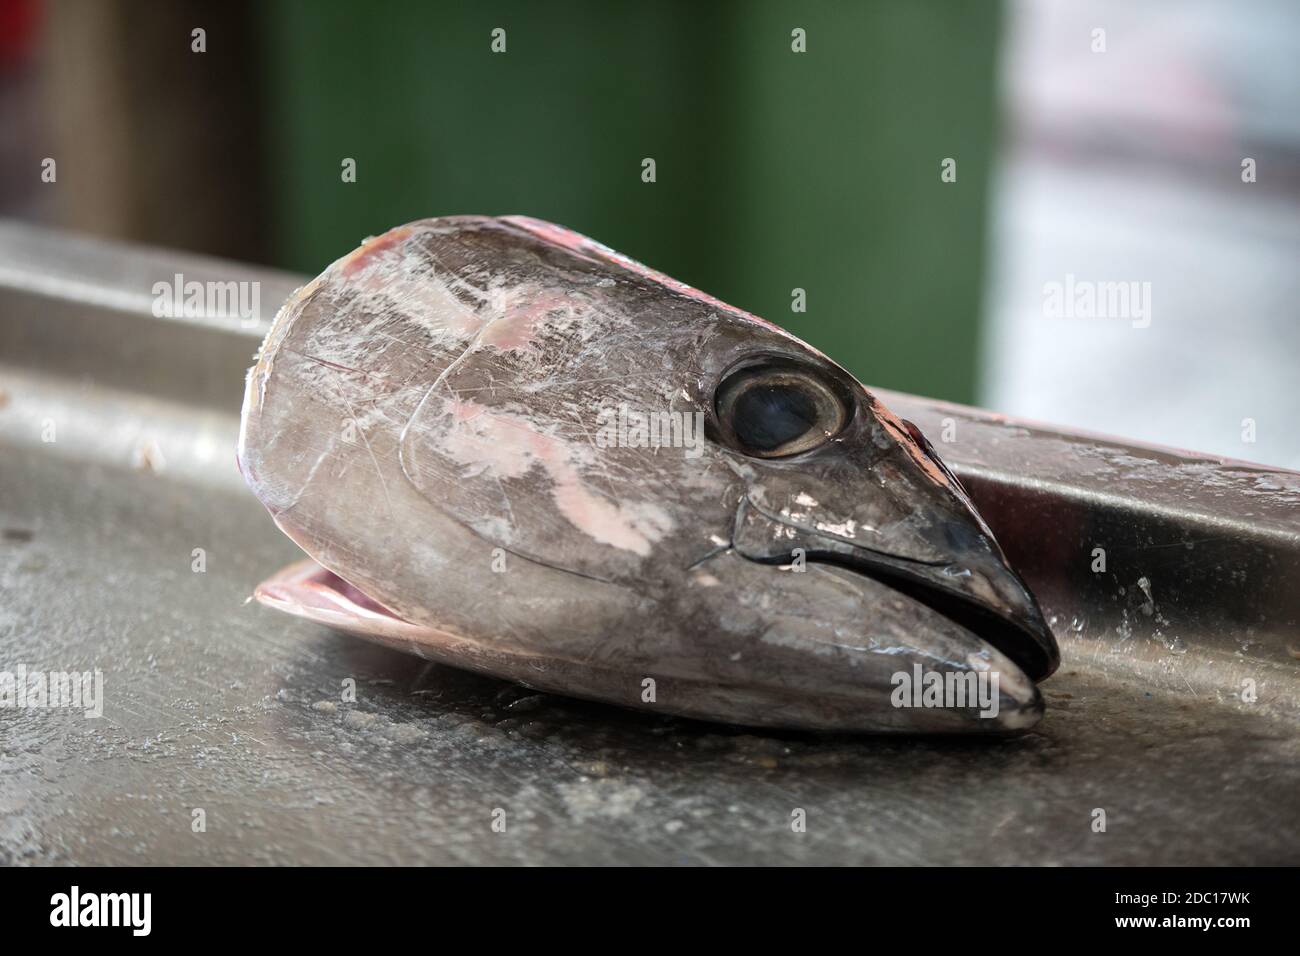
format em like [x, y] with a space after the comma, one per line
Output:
[775, 408]
[767, 416]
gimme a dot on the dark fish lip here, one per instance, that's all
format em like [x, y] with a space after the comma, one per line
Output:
[1014, 626]
[973, 587]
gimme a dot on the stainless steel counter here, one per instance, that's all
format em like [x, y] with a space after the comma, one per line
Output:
[214, 703]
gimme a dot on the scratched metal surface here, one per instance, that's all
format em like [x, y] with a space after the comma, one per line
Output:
[214, 703]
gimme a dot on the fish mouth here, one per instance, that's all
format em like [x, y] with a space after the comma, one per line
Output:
[974, 588]
[1026, 640]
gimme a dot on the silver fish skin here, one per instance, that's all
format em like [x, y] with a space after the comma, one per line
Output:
[446, 418]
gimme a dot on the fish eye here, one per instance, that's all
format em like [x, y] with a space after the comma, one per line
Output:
[777, 408]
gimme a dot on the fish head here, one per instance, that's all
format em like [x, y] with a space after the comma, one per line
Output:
[580, 473]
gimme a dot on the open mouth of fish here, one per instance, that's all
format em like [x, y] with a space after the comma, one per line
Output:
[508, 448]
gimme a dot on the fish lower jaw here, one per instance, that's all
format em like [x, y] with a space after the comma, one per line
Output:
[312, 592]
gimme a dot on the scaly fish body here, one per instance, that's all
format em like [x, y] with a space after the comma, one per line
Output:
[528, 455]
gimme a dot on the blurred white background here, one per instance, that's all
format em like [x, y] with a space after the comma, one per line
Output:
[1126, 165]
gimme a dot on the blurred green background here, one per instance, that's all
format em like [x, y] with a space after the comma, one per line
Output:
[775, 169]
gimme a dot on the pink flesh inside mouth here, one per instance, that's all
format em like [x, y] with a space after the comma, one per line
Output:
[306, 589]
[312, 592]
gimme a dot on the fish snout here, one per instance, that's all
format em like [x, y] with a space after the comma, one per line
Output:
[963, 576]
